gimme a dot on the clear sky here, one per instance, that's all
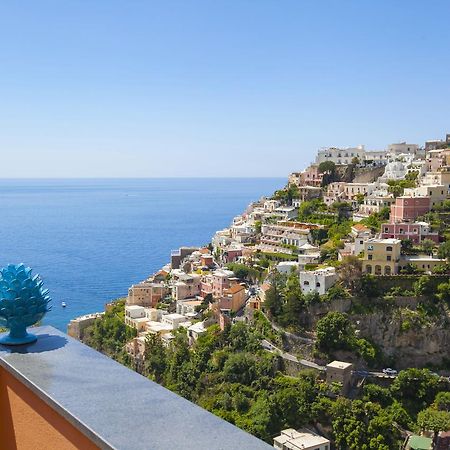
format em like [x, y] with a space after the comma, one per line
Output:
[217, 87]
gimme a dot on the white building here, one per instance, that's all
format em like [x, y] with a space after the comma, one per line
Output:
[340, 155]
[274, 238]
[173, 320]
[287, 267]
[303, 439]
[195, 331]
[308, 254]
[319, 280]
[395, 170]
[403, 148]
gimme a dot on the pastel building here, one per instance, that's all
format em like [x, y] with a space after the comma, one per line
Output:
[381, 256]
[373, 204]
[309, 192]
[274, 238]
[340, 156]
[233, 299]
[308, 254]
[403, 149]
[414, 231]
[408, 209]
[146, 294]
[319, 280]
[436, 193]
[303, 439]
[340, 372]
[135, 317]
[435, 160]
[222, 279]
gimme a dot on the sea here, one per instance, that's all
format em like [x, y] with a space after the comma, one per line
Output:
[90, 239]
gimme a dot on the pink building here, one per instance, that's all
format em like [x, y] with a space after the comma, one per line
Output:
[221, 280]
[407, 209]
[231, 255]
[416, 232]
[206, 285]
[311, 177]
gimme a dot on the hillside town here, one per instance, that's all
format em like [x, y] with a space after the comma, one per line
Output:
[353, 232]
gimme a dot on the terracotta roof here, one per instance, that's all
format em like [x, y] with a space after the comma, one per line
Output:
[234, 289]
[360, 227]
[265, 287]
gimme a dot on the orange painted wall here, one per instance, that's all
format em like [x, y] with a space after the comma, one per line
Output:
[27, 423]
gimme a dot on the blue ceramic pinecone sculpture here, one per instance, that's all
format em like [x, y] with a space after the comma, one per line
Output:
[23, 302]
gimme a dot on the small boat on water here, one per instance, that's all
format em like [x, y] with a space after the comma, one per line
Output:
[63, 304]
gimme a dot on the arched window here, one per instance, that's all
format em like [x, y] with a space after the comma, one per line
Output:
[369, 269]
[377, 270]
[389, 248]
[387, 270]
[317, 284]
[306, 283]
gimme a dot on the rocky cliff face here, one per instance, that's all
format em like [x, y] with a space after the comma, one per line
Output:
[406, 337]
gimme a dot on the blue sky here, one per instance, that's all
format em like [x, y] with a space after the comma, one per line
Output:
[214, 88]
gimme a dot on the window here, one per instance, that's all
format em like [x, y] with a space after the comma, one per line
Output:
[361, 242]
[369, 269]
[389, 249]
[306, 283]
[318, 284]
[370, 257]
[370, 247]
[386, 229]
[388, 258]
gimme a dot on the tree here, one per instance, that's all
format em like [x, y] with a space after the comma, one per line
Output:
[328, 169]
[406, 246]
[327, 166]
[358, 425]
[350, 273]
[293, 301]
[442, 401]
[428, 246]
[444, 250]
[334, 332]
[370, 286]
[443, 290]
[431, 419]
[416, 388]
[155, 362]
[423, 286]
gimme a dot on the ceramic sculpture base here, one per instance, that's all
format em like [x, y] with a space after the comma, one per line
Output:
[28, 338]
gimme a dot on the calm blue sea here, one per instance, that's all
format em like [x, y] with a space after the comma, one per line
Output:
[91, 239]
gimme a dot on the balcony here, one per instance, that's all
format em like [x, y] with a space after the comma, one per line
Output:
[58, 394]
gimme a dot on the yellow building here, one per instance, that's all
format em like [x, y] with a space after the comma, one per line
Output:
[381, 256]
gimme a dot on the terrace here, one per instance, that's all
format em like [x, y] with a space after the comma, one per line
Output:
[58, 394]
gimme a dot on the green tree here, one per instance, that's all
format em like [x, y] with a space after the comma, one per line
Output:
[334, 332]
[415, 388]
[427, 246]
[327, 166]
[442, 401]
[443, 292]
[444, 250]
[293, 301]
[406, 246]
[350, 273]
[370, 286]
[423, 286]
[431, 419]
[155, 362]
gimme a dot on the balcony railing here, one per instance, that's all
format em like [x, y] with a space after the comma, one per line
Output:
[59, 394]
